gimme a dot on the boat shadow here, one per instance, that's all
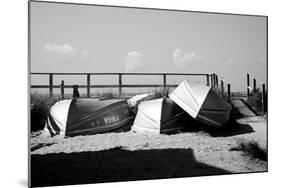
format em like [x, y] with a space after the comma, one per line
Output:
[116, 165]
[232, 128]
[40, 145]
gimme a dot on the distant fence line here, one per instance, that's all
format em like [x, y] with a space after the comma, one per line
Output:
[255, 85]
[211, 80]
[254, 88]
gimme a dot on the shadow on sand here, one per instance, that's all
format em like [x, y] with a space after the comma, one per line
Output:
[40, 145]
[232, 128]
[116, 165]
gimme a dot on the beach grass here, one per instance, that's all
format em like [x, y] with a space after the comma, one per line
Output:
[251, 148]
[255, 100]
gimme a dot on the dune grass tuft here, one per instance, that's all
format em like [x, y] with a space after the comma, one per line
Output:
[160, 92]
[39, 106]
[255, 100]
[251, 148]
[108, 95]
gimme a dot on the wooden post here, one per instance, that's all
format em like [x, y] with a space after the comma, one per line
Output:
[164, 82]
[88, 85]
[207, 80]
[120, 85]
[50, 85]
[212, 80]
[264, 100]
[76, 93]
[248, 85]
[254, 84]
[211, 77]
[222, 88]
[217, 81]
[62, 89]
[228, 92]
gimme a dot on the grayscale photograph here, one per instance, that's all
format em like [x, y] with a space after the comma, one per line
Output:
[122, 93]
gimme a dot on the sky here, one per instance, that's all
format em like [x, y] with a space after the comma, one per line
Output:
[79, 38]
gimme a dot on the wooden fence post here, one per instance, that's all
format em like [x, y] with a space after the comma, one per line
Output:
[228, 92]
[217, 81]
[248, 85]
[120, 85]
[222, 88]
[207, 80]
[164, 81]
[88, 85]
[264, 100]
[51, 85]
[62, 89]
[213, 80]
[211, 77]
[254, 85]
[75, 93]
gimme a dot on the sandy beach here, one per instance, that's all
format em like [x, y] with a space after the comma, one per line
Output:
[129, 156]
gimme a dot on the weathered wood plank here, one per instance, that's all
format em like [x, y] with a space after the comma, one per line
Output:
[50, 85]
[248, 84]
[88, 85]
[229, 92]
[80, 73]
[120, 85]
[62, 89]
[104, 86]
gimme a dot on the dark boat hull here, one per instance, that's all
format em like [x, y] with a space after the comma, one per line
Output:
[89, 116]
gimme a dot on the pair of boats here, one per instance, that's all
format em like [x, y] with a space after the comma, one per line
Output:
[188, 103]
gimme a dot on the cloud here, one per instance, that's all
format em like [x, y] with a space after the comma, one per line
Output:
[85, 54]
[261, 60]
[65, 49]
[181, 58]
[65, 53]
[230, 61]
[134, 60]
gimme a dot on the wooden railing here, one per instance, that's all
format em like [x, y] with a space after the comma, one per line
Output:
[212, 80]
[263, 89]
[120, 84]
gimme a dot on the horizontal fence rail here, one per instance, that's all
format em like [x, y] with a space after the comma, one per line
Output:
[213, 80]
[80, 73]
[104, 86]
[120, 85]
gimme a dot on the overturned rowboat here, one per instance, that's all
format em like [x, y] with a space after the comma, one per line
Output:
[202, 103]
[160, 116]
[85, 116]
[189, 105]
